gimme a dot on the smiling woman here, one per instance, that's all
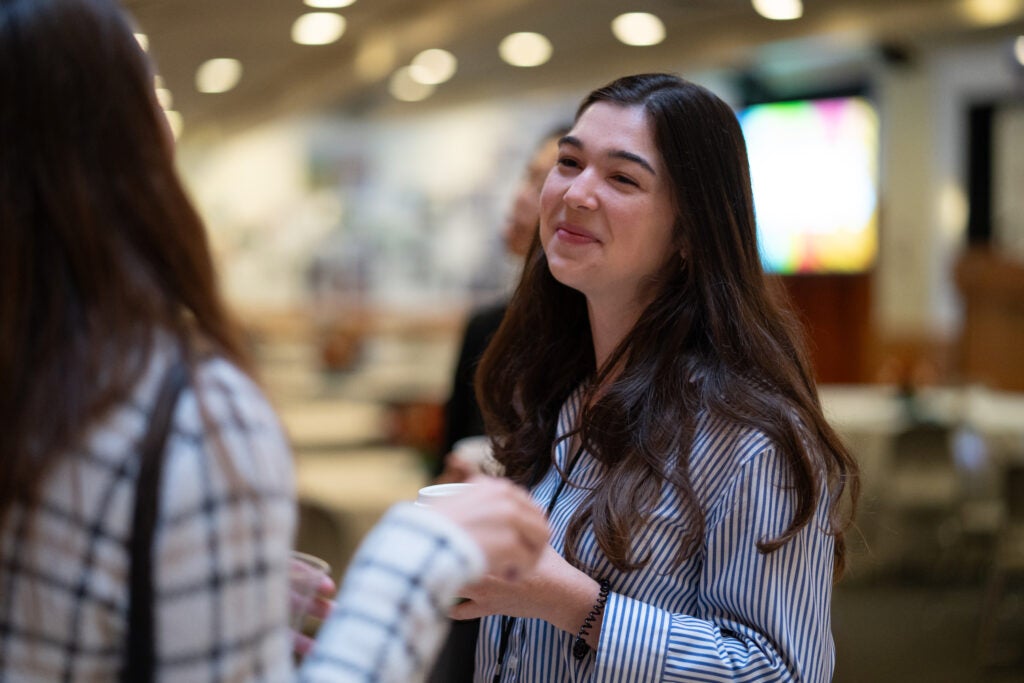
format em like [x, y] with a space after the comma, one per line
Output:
[693, 485]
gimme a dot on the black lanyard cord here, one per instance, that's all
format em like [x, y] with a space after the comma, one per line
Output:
[508, 622]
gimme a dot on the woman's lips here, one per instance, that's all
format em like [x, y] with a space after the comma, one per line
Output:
[574, 235]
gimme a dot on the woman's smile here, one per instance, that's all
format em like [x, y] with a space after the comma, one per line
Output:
[575, 235]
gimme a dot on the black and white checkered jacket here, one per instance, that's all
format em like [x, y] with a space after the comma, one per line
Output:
[222, 539]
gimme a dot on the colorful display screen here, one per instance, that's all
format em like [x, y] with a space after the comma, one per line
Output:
[814, 170]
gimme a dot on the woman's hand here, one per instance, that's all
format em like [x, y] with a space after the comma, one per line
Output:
[457, 470]
[319, 608]
[554, 591]
[504, 521]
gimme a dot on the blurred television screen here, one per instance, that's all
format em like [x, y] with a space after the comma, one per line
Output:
[814, 170]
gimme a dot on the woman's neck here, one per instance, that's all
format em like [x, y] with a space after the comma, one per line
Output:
[609, 325]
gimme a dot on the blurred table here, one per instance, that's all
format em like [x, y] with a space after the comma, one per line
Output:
[986, 430]
[334, 424]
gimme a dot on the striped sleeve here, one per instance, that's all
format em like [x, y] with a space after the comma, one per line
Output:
[759, 617]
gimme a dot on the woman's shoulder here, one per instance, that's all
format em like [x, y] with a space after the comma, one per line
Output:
[723, 448]
[224, 433]
[728, 441]
[231, 395]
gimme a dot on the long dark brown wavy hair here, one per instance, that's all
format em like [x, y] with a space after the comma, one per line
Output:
[100, 248]
[717, 337]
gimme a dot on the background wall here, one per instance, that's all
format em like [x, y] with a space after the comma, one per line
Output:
[403, 212]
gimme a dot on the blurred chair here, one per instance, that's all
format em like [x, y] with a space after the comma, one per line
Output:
[322, 532]
[1001, 631]
[919, 502]
[980, 505]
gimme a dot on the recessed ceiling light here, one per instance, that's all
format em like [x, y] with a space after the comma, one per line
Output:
[403, 87]
[218, 75]
[638, 28]
[329, 4]
[433, 66]
[165, 98]
[175, 121]
[318, 28]
[525, 49]
[143, 40]
[990, 12]
[780, 10]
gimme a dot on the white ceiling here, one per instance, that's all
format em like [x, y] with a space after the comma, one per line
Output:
[281, 77]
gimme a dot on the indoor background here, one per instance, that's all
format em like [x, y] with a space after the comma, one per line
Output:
[354, 162]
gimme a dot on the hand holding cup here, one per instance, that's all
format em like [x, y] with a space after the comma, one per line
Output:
[500, 516]
[310, 591]
[470, 456]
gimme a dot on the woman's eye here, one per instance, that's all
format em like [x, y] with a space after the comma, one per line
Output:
[568, 162]
[626, 180]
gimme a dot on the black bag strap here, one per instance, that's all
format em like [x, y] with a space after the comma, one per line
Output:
[140, 657]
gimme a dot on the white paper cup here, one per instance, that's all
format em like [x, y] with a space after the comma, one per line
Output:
[479, 451]
[428, 495]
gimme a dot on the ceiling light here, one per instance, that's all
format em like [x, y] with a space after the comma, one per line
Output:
[990, 12]
[433, 66]
[403, 87]
[175, 121]
[525, 49]
[780, 10]
[638, 28]
[329, 4]
[1018, 50]
[218, 75]
[143, 40]
[164, 97]
[318, 28]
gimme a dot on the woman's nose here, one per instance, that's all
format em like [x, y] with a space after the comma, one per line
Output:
[580, 193]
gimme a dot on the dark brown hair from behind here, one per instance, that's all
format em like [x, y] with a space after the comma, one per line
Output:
[100, 247]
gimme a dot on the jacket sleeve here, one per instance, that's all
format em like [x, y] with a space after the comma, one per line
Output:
[390, 619]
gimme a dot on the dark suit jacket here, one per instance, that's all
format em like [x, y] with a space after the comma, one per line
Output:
[462, 414]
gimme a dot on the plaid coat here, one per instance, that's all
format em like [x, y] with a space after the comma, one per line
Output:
[223, 534]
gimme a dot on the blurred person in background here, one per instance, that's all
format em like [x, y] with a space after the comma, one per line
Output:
[108, 291]
[653, 391]
[462, 414]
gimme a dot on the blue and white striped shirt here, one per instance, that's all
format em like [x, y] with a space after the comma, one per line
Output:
[728, 613]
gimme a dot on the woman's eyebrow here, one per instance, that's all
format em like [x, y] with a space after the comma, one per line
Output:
[635, 158]
[574, 141]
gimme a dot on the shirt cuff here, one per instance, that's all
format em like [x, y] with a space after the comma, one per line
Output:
[634, 636]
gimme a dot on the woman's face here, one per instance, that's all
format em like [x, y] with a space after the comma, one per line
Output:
[606, 208]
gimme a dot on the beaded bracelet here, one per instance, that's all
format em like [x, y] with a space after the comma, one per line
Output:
[579, 646]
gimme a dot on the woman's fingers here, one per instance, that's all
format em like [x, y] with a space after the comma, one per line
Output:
[456, 470]
[301, 643]
[503, 520]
